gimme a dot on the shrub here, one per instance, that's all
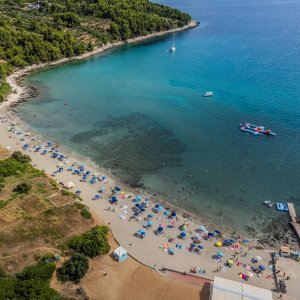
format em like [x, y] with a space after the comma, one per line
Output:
[19, 156]
[86, 213]
[74, 269]
[42, 271]
[22, 188]
[92, 242]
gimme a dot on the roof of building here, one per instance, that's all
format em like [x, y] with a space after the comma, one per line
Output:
[226, 289]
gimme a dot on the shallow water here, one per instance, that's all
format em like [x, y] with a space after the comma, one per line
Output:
[139, 111]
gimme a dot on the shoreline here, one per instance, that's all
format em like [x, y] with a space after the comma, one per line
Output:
[22, 92]
[18, 90]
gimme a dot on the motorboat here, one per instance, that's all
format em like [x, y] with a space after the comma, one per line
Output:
[208, 94]
[268, 203]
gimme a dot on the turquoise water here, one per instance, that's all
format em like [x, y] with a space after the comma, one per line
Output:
[138, 111]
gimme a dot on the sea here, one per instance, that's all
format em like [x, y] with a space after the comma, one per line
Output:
[138, 111]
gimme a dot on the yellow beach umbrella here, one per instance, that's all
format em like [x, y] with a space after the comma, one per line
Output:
[218, 244]
[230, 262]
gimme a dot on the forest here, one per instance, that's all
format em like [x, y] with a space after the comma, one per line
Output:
[46, 31]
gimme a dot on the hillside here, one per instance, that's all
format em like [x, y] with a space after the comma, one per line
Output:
[49, 30]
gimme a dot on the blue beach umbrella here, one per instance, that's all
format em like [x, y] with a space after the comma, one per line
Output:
[217, 232]
[78, 192]
[200, 247]
[173, 213]
[97, 196]
[193, 245]
[211, 234]
[150, 216]
[118, 188]
[150, 223]
[262, 268]
[183, 234]
[220, 254]
[160, 229]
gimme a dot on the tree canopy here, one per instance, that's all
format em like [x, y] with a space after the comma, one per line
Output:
[92, 242]
[55, 29]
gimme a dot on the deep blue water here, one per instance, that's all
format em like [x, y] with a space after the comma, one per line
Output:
[139, 111]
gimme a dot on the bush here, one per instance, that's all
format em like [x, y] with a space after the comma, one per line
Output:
[19, 156]
[92, 242]
[42, 271]
[86, 213]
[32, 283]
[22, 188]
[74, 269]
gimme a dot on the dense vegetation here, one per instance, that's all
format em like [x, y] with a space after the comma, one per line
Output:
[32, 283]
[73, 269]
[92, 242]
[14, 165]
[63, 28]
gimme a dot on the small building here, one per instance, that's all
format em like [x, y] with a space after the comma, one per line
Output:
[226, 289]
[120, 254]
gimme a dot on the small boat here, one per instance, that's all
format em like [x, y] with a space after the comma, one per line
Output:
[208, 94]
[282, 206]
[256, 129]
[172, 48]
[268, 203]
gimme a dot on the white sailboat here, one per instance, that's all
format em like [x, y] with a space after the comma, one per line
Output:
[173, 48]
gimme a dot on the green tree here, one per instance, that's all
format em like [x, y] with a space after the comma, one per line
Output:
[91, 243]
[74, 269]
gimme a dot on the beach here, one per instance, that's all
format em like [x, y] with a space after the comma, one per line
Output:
[153, 250]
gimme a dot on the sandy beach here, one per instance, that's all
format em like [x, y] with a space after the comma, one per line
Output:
[153, 250]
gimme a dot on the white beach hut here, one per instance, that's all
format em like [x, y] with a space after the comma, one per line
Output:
[120, 254]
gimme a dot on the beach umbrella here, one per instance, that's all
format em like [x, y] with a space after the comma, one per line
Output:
[159, 229]
[218, 244]
[69, 185]
[103, 177]
[202, 228]
[160, 208]
[173, 213]
[62, 156]
[217, 232]
[258, 257]
[142, 232]
[196, 236]
[137, 198]
[49, 144]
[97, 196]
[88, 172]
[230, 261]
[183, 234]
[250, 275]
[166, 212]
[245, 242]
[165, 245]
[150, 223]
[200, 247]
[118, 188]
[193, 245]
[114, 198]
[211, 234]
[171, 251]
[262, 268]
[220, 254]
[150, 216]
[78, 192]
[172, 223]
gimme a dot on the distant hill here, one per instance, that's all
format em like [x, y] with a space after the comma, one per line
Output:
[45, 31]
